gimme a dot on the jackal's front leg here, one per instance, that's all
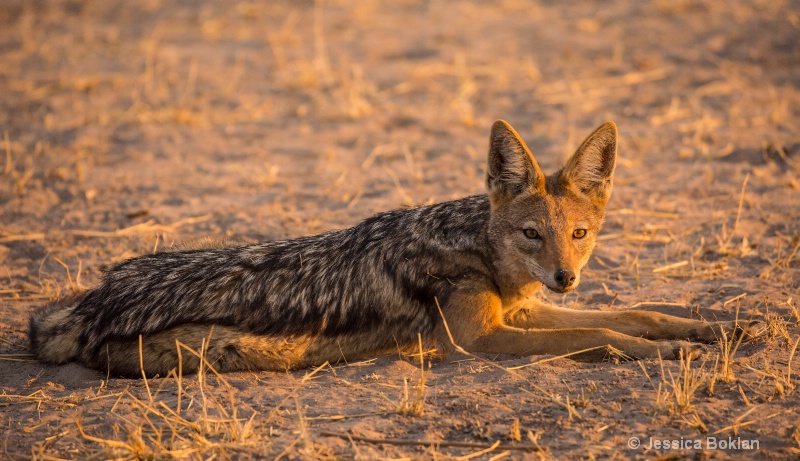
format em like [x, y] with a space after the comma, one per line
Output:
[593, 341]
[651, 325]
[473, 319]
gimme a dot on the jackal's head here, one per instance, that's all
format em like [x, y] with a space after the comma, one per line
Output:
[544, 227]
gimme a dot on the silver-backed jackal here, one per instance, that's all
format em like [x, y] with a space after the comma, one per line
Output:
[470, 266]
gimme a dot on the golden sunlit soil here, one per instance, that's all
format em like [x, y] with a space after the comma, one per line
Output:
[130, 126]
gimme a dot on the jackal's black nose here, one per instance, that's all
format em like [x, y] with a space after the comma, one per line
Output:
[564, 278]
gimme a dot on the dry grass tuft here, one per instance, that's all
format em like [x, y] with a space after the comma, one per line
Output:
[728, 347]
[675, 394]
[696, 423]
[413, 403]
[795, 311]
[686, 384]
[205, 420]
[711, 379]
[782, 382]
[586, 395]
[777, 328]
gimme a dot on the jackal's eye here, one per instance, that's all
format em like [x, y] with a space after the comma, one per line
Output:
[579, 233]
[531, 233]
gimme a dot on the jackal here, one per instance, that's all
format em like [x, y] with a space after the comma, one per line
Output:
[462, 272]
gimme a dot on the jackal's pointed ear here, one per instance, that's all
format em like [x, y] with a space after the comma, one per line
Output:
[591, 168]
[511, 168]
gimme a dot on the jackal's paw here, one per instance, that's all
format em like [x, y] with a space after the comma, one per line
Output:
[683, 349]
[643, 349]
[747, 330]
[675, 350]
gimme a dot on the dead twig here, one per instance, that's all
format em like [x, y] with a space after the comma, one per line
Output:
[143, 228]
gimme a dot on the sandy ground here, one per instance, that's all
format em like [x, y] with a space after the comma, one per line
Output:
[132, 125]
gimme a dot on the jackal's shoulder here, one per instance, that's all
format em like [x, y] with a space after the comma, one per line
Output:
[455, 224]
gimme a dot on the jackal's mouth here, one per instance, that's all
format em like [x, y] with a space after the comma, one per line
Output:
[561, 290]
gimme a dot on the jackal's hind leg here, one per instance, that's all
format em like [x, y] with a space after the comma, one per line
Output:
[224, 348]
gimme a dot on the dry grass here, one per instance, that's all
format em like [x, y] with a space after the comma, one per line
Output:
[684, 386]
[726, 357]
[795, 311]
[378, 98]
[150, 227]
[413, 403]
[211, 422]
[675, 393]
[583, 400]
[781, 382]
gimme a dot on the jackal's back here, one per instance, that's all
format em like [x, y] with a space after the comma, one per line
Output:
[381, 276]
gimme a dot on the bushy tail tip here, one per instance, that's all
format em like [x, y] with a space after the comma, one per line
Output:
[53, 333]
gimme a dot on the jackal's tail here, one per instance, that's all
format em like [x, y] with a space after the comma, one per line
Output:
[54, 334]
